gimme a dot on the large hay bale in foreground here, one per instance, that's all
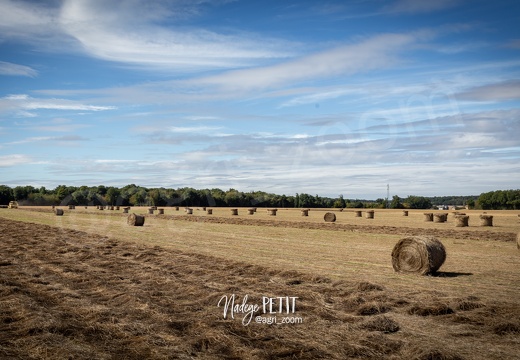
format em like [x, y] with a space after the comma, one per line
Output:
[135, 220]
[329, 217]
[418, 254]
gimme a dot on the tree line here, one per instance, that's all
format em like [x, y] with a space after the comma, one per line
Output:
[134, 195]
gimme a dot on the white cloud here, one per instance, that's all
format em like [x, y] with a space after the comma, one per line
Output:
[503, 91]
[127, 34]
[370, 54]
[23, 102]
[14, 159]
[10, 69]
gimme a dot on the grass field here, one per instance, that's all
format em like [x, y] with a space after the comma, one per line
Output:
[87, 285]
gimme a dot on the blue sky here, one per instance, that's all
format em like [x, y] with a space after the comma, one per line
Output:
[320, 97]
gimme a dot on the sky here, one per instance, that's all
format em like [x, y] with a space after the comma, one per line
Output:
[319, 97]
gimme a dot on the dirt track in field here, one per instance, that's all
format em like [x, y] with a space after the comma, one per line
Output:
[67, 294]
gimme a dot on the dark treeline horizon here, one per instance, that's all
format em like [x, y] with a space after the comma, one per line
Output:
[135, 195]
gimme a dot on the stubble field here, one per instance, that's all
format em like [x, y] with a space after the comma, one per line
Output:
[86, 285]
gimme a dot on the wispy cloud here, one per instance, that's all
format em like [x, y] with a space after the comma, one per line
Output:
[503, 91]
[10, 69]
[22, 103]
[70, 139]
[14, 159]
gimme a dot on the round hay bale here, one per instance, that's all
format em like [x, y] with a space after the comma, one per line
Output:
[428, 216]
[418, 254]
[161, 211]
[189, 211]
[405, 212]
[439, 218]
[150, 211]
[234, 211]
[272, 212]
[135, 220]
[251, 211]
[125, 210]
[329, 217]
[58, 212]
[359, 213]
[305, 212]
[117, 207]
[209, 211]
[462, 220]
[486, 220]
[369, 214]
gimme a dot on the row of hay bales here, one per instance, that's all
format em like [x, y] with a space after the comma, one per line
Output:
[461, 219]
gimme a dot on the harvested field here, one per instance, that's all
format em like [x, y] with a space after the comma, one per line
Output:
[86, 285]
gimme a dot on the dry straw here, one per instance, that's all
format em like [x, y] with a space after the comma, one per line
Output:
[486, 220]
[518, 241]
[135, 220]
[329, 217]
[440, 218]
[418, 254]
[462, 220]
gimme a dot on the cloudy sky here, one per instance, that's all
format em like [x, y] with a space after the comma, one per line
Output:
[322, 97]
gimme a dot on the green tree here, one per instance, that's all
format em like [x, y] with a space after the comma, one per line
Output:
[396, 203]
[6, 194]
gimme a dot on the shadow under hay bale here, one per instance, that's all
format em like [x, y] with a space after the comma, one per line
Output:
[135, 220]
[234, 211]
[461, 220]
[329, 217]
[486, 220]
[428, 216]
[369, 214]
[418, 254]
[58, 212]
[405, 212]
[358, 213]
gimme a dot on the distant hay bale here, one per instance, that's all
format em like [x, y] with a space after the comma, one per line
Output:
[439, 218]
[518, 241]
[71, 207]
[125, 210]
[305, 212]
[189, 211]
[117, 207]
[461, 220]
[329, 217]
[176, 208]
[405, 212]
[58, 212]
[234, 211]
[251, 211]
[428, 216]
[418, 254]
[209, 211]
[369, 214]
[135, 220]
[359, 213]
[486, 220]
[101, 208]
[272, 212]
[161, 211]
[150, 211]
